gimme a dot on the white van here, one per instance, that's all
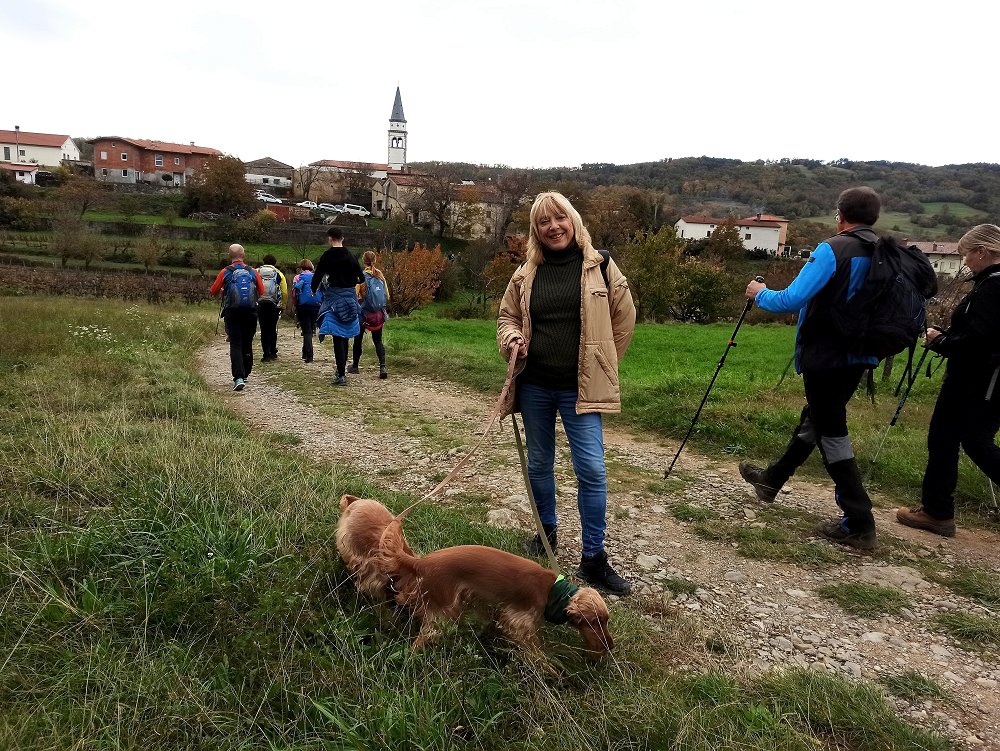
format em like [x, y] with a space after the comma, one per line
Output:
[351, 208]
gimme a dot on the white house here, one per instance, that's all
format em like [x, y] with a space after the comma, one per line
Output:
[23, 173]
[756, 234]
[944, 257]
[43, 149]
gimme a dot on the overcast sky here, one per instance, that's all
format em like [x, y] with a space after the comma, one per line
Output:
[527, 84]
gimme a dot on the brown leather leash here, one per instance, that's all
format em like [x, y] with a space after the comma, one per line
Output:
[493, 419]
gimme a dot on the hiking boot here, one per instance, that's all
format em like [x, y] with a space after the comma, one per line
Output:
[534, 546]
[757, 477]
[917, 518]
[383, 373]
[340, 380]
[835, 530]
[239, 384]
[597, 572]
[353, 369]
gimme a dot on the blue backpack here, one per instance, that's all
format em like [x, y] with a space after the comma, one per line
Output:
[375, 294]
[240, 285]
[305, 294]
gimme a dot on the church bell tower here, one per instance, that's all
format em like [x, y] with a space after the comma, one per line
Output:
[397, 135]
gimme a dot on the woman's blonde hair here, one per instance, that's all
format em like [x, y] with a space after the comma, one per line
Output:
[369, 258]
[306, 265]
[985, 236]
[549, 204]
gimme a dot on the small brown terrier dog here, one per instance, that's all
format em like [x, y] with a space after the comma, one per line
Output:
[359, 529]
[443, 584]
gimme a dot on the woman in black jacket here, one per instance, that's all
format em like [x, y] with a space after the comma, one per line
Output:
[967, 412]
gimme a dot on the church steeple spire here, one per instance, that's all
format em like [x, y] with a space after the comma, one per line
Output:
[397, 135]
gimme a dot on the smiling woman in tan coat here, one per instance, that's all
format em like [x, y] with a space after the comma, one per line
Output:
[568, 317]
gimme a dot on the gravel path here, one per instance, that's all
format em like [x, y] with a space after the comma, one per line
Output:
[764, 613]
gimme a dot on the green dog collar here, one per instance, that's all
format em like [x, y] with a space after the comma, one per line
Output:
[559, 596]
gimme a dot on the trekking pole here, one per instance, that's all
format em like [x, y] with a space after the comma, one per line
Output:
[729, 346]
[899, 408]
[785, 372]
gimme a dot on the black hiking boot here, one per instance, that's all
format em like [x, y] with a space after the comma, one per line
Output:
[353, 369]
[597, 572]
[383, 372]
[836, 530]
[534, 547]
[757, 477]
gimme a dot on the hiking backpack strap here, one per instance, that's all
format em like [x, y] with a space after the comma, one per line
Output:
[605, 257]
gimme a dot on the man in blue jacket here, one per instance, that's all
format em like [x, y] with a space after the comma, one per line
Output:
[831, 371]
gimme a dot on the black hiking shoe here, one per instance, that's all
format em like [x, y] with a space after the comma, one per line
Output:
[534, 547]
[352, 369]
[383, 373]
[836, 531]
[597, 572]
[757, 477]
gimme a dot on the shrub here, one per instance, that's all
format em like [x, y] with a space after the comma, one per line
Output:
[413, 276]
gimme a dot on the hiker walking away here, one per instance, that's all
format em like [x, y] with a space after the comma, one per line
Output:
[338, 313]
[569, 327]
[306, 304]
[269, 306]
[373, 296]
[831, 370]
[241, 288]
[967, 412]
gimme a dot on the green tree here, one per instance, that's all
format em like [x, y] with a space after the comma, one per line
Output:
[725, 245]
[221, 187]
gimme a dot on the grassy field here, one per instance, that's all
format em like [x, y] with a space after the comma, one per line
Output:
[899, 223]
[169, 580]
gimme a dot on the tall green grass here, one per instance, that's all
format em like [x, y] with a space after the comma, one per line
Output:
[168, 579]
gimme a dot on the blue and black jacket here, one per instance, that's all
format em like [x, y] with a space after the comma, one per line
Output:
[831, 276]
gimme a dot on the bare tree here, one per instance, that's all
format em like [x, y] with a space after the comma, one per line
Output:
[511, 186]
[304, 178]
[438, 193]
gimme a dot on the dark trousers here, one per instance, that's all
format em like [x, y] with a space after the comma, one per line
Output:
[823, 423]
[340, 353]
[268, 314]
[241, 326]
[376, 340]
[962, 418]
[307, 322]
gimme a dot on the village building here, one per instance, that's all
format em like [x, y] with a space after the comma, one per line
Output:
[138, 160]
[270, 175]
[756, 233]
[944, 257]
[40, 149]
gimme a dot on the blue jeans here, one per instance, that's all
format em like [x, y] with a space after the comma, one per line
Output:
[586, 444]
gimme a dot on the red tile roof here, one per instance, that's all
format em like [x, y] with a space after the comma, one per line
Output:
[754, 222]
[167, 146]
[32, 139]
[18, 167]
[947, 249]
[702, 219]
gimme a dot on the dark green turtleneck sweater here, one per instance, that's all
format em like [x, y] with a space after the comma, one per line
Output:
[554, 350]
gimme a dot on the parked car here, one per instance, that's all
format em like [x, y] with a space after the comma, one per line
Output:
[268, 198]
[332, 207]
[351, 208]
[307, 204]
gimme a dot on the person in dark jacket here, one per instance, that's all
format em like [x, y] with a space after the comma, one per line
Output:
[338, 313]
[830, 370]
[967, 412]
[241, 321]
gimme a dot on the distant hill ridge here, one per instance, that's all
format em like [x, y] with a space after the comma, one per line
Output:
[794, 188]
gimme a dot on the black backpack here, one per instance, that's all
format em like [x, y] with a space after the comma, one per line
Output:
[887, 314]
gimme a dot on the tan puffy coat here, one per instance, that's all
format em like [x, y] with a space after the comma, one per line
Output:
[607, 315]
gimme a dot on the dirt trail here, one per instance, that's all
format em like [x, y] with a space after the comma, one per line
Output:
[766, 612]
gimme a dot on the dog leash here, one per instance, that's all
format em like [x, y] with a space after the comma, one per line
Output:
[553, 564]
[493, 419]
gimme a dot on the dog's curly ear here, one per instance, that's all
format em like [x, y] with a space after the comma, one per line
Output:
[346, 500]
